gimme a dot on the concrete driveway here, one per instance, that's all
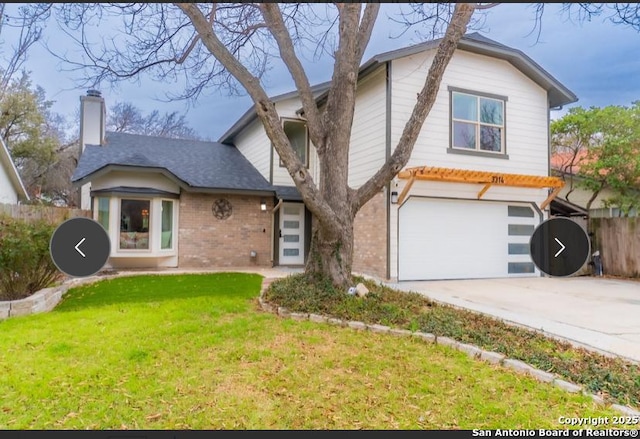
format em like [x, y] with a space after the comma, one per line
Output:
[594, 312]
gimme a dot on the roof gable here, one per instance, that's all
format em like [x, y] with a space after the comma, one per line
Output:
[474, 42]
[7, 165]
[559, 95]
[250, 115]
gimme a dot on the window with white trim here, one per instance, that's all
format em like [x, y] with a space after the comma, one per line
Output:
[166, 240]
[103, 212]
[134, 224]
[477, 122]
[296, 132]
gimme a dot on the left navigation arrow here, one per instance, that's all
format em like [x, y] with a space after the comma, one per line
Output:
[78, 250]
[80, 247]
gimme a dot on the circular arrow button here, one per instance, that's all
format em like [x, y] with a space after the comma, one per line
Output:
[80, 247]
[559, 247]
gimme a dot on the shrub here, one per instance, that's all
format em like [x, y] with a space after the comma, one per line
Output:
[25, 263]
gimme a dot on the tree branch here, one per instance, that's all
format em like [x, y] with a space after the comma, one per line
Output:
[275, 23]
[266, 112]
[366, 27]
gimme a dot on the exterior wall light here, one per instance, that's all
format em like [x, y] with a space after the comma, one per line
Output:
[394, 197]
[263, 205]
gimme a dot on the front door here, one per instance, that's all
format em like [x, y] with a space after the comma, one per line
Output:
[291, 234]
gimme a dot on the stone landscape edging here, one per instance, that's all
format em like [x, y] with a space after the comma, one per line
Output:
[471, 350]
[41, 301]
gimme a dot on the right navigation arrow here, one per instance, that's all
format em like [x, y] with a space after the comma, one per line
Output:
[561, 245]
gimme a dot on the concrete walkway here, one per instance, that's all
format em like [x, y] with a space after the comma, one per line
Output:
[597, 313]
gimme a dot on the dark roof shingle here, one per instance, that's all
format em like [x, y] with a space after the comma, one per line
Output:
[196, 164]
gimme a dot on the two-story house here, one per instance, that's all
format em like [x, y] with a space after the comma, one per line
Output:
[465, 206]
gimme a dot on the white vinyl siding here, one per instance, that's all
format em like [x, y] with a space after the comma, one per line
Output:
[254, 144]
[367, 147]
[153, 180]
[581, 196]
[526, 118]
[8, 194]
[526, 130]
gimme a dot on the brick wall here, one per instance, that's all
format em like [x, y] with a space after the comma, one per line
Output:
[206, 241]
[370, 238]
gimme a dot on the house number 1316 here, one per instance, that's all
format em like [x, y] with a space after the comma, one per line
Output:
[497, 179]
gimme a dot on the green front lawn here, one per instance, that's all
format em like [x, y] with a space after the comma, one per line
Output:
[194, 352]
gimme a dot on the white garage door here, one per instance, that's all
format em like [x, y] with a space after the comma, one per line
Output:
[464, 239]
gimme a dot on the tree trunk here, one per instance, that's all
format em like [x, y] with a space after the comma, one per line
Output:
[331, 254]
[594, 195]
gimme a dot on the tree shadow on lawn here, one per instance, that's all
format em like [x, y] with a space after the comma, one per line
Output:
[159, 288]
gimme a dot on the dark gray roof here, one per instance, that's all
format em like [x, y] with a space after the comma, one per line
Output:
[194, 165]
[134, 190]
[287, 193]
[560, 207]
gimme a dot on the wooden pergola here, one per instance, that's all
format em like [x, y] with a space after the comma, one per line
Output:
[488, 179]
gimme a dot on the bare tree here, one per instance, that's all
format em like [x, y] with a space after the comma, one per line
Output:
[125, 117]
[28, 21]
[232, 45]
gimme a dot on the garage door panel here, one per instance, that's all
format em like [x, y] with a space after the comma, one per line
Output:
[457, 239]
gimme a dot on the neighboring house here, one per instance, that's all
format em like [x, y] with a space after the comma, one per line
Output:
[566, 165]
[465, 206]
[12, 190]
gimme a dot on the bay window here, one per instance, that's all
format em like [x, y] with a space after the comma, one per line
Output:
[134, 224]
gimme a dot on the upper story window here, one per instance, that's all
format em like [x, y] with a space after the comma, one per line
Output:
[477, 122]
[296, 132]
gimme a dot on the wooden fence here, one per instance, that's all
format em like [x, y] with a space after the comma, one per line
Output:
[618, 240]
[54, 215]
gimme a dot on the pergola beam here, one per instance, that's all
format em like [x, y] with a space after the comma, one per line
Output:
[550, 198]
[484, 189]
[405, 190]
[488, 179]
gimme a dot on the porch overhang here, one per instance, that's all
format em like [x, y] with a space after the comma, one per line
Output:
[485, 178]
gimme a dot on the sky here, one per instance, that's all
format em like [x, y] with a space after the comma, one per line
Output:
[597, 60]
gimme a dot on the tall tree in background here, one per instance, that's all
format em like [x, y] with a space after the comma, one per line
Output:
[20, 28]
[34, 135]
[124, 117]
[601, 149]
[230, 45]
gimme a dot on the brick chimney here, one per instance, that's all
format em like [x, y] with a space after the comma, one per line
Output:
[93, 118]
